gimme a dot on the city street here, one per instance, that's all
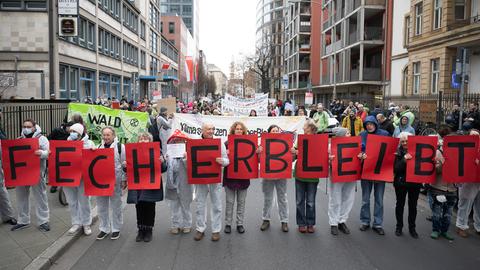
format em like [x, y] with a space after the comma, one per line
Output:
[274, 249]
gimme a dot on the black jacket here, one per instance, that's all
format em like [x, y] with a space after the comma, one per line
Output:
[59, 134]
[400, 170]
[388, 126]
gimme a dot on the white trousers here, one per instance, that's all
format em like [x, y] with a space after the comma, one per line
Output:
[340, 201]
[281, 186]
[79, 205]
[114, 202]
[41, 203]
[202, 192]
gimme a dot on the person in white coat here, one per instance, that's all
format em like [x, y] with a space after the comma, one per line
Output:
[164, 124]
[215, 191]
[6, 210]
[341, 196]
[78, 203]
[177, 190]
[32, 130]
[114, 202]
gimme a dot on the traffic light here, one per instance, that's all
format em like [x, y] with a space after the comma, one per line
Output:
[67, 26]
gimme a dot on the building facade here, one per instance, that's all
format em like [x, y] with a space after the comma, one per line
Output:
[435, 31]
[220, 79]
[188, 10]
[401, 18]
[116, 53]
[270, 41]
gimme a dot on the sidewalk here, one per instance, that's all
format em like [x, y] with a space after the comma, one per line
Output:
[18, 249]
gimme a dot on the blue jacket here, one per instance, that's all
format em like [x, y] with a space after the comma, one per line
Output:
[378, 131]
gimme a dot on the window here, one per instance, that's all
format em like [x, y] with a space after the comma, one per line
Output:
[87, 84]
[416, 78]
[153, 42]
[186, 10]
[68, 82]
[154, 16]
[111, 7]
[130, 19]
[405, 80]
[127, 88]
[437, 14]
[108, 44]
[130, 53]
[153, 66]
[143, 59]
[115, 87]
[21, 5]
[171, 27]
[142, 30]
[161, 27]
[104, 85]
[175, 9]
[63, 81]
[73, 83]
[406, 31]
[418, 18]
[86, 34]
[459, 9]
[435, 76]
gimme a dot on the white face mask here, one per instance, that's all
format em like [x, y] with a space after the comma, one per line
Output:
[27, 131]
[73, 136]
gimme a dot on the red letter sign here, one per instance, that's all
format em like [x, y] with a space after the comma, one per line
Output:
[346, 164]
[460, 153]
[421, 168]
[243, 157]
[99, 172]
[380, 153]
[312, 158]
[20, 164]
[65, 163]
[143, 165]
[202, 166]
[276, 157]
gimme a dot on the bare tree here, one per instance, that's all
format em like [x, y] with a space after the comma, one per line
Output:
[261, 64]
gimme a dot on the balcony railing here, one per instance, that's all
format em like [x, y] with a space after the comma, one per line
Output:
[304, 47]
[373, 33]
[354, 75]
[302, 84]
[305, 66]
[305, 28]
[352, 38]
[372, 74]
[375, 2]
[334, 46]
[325, 79]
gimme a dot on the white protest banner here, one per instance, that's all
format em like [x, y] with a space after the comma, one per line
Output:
[191, 124]
[242, 106]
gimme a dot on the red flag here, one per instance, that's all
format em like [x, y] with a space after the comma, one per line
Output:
[202, 167]
[380, 153]
[143, 165]
[346, 165]
[20, 164]
[98, 167]
[276, 157]
[243, 157]
[460, 153]
[421, 168]
[312, 158]
[65, 163]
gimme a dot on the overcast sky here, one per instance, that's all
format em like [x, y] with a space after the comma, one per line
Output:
[227, 28]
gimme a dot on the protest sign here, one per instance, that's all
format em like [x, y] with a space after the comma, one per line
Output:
[127, 124]
[169, 103]
[65, 163]
[346, 165]
[460, 153]
[176, 150]
[276, 157]
[98, 170]
[202, 167]
[312, 158]
[243, 157]
[235, 106]
[380, 153]
[20, 164]
[143, 165]
[421, 168]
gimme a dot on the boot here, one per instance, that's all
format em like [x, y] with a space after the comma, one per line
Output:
[147, 236]
[140, 234]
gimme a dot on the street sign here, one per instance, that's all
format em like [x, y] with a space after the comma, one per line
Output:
[285, 82]
[68, 26]
[308, 98]
[68, 7]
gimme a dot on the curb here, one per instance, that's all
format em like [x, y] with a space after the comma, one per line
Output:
[46, 259]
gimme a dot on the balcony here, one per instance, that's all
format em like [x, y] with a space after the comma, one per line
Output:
[375, 2]
[333, 47]
[326, 24]
[305, 27]
[354, 75]
[372, 74]
[304, 47]
[373, 33]
[302, 84]
[352, 38]
[304, 66]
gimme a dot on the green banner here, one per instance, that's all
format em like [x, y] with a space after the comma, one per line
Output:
[127, 124]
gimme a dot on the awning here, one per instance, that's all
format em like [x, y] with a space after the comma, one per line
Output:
[166, 78]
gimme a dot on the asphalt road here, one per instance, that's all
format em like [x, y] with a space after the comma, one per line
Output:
[275, 249]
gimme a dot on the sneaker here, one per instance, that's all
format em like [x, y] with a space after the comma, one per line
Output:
[378, 230]
[53, 189]
[364, 227]
[413, 233]
[215, 236]
[115, 235]
[228, 229]
[45, 227]
[447, 236]
[147, 235]
[174, 231]
[101, 235]
[139, 237]
[74, 229]
[198, 236]
[284, 227]
[87, 230]
[398, 232]
[462, 233]
[186, 230]
[434, 235]
[240, 229]
[343, 228]
[19, 227]
[334, 230]
[310, 229]
[265, 225]
[11, 221]
[302, 229]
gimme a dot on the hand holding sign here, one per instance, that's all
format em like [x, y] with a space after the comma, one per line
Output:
[202, 165]
[20, 164]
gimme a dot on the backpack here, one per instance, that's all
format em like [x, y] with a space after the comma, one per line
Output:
[153, 129]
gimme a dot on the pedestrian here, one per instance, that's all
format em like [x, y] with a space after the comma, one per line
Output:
[472, 119]
[443, 197]
[371, 127]
[320, 118]
[235, 189]
[60, 133]
[404, 188]
[215, 191]
[353, 123]
[32, 130]
[405, 111]
[113, 203]
[145, 200]
[305, 192]
[385, 124]
[253, 113]
[361, 112]
[280, 185]
[177, 190]
[78, 203]
[403, 126]
[164, 124]
[6, 210]
[468, 198]
[301, 112]
[341, 196]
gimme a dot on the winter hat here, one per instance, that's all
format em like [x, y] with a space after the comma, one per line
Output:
[77, 128]
[163, 110]
[339, 131]
[177, 134]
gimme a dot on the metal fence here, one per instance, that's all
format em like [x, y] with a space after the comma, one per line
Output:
[48, 114]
